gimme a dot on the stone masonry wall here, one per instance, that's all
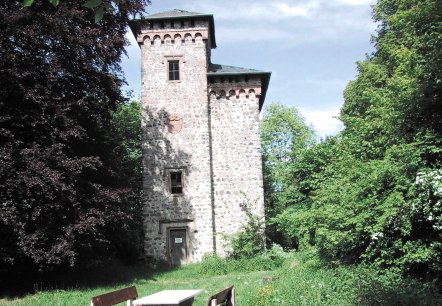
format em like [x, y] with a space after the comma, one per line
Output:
[237, 163]
[187, 150]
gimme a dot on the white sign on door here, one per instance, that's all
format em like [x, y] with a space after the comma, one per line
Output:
[178, 240]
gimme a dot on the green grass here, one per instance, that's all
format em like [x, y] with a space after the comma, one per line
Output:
[299, 279]
[189, 277]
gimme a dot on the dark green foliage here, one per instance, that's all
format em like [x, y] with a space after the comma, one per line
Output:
[62, 199]
[125, 134]
[125, 131]
[389, 287]
[99, 6]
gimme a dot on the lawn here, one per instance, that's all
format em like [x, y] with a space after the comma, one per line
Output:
[297, 279]
[189, 277]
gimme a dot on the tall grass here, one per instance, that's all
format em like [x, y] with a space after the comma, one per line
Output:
[296, 279]
[306, 280]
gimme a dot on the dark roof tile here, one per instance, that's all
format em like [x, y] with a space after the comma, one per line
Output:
[215, 69]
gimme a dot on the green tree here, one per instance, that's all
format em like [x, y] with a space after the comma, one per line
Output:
[393, 118]
[372, 193]
[310, 171]
[125, 135]
[284, 136]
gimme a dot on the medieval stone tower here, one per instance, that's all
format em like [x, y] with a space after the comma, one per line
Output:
[201, 141]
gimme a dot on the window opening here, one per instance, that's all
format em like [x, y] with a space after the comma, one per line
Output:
[174, 70]
[176, 182]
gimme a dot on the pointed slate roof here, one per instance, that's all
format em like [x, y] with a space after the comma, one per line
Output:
[224, 70]
[176, 14]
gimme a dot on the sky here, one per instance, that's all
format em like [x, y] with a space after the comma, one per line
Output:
[310, 46]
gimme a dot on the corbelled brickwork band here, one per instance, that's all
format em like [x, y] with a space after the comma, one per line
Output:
[201, 140]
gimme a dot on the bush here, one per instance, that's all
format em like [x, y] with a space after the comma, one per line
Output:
[212, 264]
[273, 259]
[250, 240]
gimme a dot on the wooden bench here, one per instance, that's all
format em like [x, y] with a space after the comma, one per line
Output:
[225, 297]
[119, 296]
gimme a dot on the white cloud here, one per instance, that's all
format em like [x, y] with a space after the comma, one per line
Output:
[325, 122]
[296, 10]
[259, 10]
[300, 21]
[291, 10]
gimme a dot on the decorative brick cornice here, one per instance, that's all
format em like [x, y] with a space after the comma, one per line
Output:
[172, 35]
[235, 92]
[235, 89]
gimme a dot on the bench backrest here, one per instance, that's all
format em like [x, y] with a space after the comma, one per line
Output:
[109, 299]
[224, 297]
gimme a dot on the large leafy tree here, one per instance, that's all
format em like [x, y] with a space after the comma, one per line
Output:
[62, 199]
[378, 196]
[393, 118]
[285, 136]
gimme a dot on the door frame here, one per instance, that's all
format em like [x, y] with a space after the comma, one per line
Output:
[169, 243]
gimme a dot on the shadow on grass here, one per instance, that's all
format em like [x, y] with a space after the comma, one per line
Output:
[109, 274]
[391, 289]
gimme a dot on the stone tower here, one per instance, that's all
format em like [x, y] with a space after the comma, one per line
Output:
[201, 141]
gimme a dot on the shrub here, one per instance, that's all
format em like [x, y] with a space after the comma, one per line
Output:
[212, 264]
[250, 240]
[273, 259]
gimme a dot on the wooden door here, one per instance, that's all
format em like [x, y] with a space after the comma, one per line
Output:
[178, 246]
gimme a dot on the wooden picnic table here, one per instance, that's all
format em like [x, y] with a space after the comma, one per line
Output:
[168, 298]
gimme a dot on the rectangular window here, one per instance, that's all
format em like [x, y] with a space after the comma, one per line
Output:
[176, 182]
[174, 70]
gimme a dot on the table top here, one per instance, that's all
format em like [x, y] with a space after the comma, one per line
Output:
[167, 297]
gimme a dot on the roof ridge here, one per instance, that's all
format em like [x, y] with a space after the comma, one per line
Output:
[175, 13]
